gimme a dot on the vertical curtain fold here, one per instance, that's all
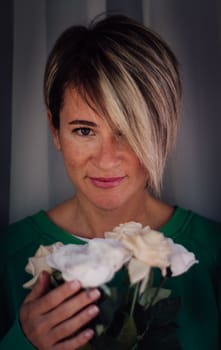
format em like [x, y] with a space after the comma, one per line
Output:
[6, 39]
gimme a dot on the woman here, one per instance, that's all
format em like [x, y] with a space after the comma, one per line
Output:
[112, 93]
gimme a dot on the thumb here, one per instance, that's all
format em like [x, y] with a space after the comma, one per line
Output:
[40, 288]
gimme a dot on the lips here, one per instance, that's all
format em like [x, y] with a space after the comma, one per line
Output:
[107, 182]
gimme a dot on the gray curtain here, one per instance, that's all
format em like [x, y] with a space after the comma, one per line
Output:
[6, 37]
[193, 30]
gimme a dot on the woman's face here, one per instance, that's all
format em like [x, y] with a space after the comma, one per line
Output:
[99, 161]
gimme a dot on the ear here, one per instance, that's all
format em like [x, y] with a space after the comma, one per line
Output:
[54, 132]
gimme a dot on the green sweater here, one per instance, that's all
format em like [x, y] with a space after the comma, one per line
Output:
[200, 288]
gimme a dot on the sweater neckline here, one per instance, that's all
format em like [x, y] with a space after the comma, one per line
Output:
[177, 223]
[49, 228]
[173, 227]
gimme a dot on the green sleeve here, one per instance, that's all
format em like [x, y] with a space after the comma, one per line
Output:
[12, 294]
[218, 290]
[15, 339]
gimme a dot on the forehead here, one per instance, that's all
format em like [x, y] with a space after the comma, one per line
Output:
[72, 100]
[75, 105]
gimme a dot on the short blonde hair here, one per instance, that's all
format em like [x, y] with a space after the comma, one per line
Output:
[131, 76]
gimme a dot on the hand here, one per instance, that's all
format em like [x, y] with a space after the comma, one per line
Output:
[53, 319]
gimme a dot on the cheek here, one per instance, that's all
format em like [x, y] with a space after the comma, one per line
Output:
[141, 173]
[138, 167]
[73, 159]
[73, 155]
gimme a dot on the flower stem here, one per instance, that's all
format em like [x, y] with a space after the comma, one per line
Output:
[162, 281]
[134, 299]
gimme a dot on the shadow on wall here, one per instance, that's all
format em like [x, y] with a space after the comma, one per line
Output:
[193, 174]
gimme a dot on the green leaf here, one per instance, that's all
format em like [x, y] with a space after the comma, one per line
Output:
[153, 294]
[99, 328]
[105, 289]
[56, 279]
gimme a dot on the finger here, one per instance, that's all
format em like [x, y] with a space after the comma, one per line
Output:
[72, 325]
[72, 306]
[76, 342]
[57, 296]
[40, 288]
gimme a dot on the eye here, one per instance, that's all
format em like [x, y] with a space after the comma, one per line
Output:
[119, 136]
[83, 131]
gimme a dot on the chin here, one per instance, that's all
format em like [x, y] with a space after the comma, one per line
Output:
[109, 204]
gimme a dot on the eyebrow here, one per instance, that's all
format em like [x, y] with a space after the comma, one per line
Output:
[82, 122]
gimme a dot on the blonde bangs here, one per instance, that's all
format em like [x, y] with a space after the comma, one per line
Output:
[148, 122]
[128, 113]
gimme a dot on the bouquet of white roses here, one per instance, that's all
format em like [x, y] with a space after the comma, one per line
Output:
[133, 313]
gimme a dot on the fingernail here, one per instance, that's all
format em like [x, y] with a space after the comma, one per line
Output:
[75, 285]
[93, 310]
[89, 333]
[94, 293]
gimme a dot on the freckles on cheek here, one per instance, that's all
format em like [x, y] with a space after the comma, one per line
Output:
[75, 156]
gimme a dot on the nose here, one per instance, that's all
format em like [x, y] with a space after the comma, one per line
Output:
[109, 153]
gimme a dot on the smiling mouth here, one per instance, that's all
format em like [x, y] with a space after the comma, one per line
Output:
[107, 182]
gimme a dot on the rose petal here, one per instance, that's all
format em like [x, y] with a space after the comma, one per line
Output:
[181, 259]
[137, 270]
[130, 228]
[38, 263]
[152, 248]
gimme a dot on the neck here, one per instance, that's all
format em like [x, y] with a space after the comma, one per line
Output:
[93, 222]
[81, 218]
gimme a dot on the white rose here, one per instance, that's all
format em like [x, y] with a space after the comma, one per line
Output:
[150, 247]
[180, 259]
[130, 228]
[93, 264]
[153, 249]
[37, 263]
